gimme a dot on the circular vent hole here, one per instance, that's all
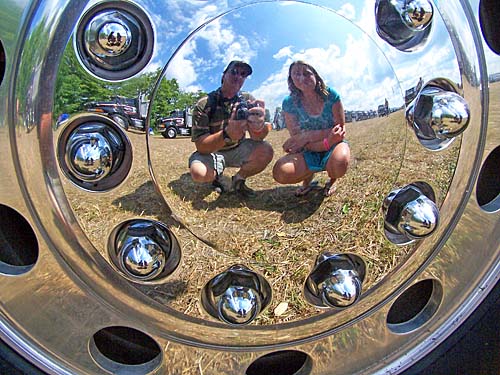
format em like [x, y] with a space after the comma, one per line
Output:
[489, 12]
[415, 306]
[286, 362]
[121, 349]
[2, 62]
[488, 184]
[18, 243]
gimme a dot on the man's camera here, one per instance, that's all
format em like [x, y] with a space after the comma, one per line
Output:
[242, 110]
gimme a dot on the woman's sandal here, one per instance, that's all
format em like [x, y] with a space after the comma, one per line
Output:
[304, 190]
[330, 188]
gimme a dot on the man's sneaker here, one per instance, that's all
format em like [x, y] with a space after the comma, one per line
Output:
[217, 186]
[239, 186]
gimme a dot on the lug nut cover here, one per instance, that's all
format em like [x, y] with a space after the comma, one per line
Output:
[93, 152]
[144, 250]
[404, 24]
[410, 213]
[90, 155]
[336, 281]
[236, 296]
[438, 116]
[114, 40]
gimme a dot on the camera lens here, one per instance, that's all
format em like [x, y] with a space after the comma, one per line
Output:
[242, 111]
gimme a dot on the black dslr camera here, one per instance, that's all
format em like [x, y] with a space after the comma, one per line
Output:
[242, 110]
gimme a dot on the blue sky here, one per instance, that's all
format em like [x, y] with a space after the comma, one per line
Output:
[341, 43]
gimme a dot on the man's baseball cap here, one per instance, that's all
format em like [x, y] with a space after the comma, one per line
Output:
[238, 63]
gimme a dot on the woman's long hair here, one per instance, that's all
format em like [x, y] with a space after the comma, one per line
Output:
[295, 93]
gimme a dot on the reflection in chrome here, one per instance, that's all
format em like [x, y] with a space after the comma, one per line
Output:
[144, 250]
[89, 155]
[114, 40]
[410, 213]
[239, 305]
[109, 34]
[236, 296]
[336, 280]
[416, 13]
[93, 153]
[113, 37]
[404, 24]
[438, 116]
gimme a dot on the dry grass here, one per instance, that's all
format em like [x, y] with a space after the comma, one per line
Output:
[275, 233]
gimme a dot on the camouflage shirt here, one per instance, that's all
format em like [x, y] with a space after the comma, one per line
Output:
[211, 114]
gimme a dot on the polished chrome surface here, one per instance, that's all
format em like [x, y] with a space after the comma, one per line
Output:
[275, 228]
[108, 35]
[89, 155]
[336, 280]
[236, 296]
[438, 116]
[93, 152]
[419, 218]
[410, 213]
[404, 24]
[239, 305]
[416, 13]
[73, 282]
[114, 40]
[341, 289]
[144, 250]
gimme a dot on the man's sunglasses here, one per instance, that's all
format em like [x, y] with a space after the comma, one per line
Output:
[235, 72]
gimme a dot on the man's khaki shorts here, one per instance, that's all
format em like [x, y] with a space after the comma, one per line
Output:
[234, 157]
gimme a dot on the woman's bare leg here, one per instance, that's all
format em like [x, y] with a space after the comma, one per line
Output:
[337, 165]
[291, 169]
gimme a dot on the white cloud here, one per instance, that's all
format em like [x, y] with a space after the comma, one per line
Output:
[223, 44]
[283, 52]
[273, 89]
[182, 66]
[348, 11]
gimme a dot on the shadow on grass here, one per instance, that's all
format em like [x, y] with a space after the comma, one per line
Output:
[165, 292]
[145, 201]
[278, 199]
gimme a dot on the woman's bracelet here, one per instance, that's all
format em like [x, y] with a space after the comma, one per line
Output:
[326, 144]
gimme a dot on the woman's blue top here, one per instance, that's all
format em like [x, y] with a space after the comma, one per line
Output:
[308, 122]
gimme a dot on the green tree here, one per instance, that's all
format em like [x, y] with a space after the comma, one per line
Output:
[75, 87]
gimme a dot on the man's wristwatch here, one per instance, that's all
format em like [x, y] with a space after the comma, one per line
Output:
[227, 138]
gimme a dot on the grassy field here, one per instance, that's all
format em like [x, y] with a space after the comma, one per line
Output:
[275, 233]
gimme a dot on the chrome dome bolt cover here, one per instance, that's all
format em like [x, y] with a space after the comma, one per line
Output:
[93, 152]
[90, 156]
[142, 257]
[410, 213]
[90, 151]
[109, 34]
[114, 40]
[416, 13]
[236, 296]
[336, 280]
[239, 305]
[404, 24]
[437, 116]
[144, 250]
